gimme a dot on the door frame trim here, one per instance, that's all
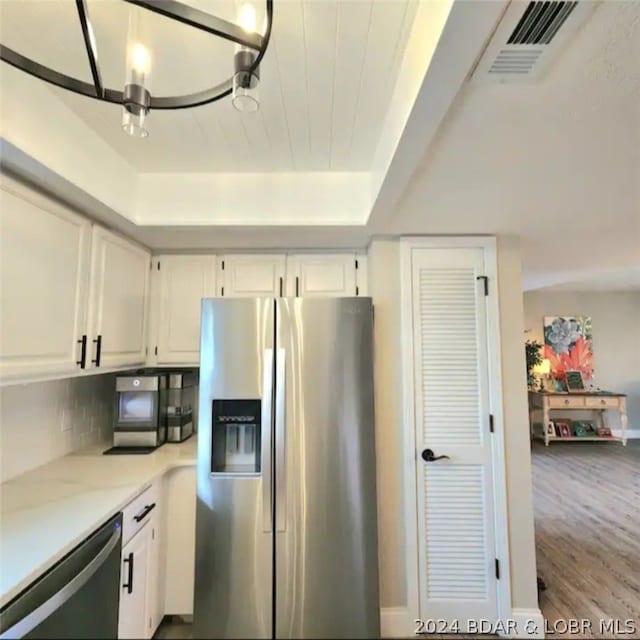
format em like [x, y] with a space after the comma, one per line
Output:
[410, 507]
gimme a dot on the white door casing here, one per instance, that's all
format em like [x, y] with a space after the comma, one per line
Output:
[184, 281]
[455, 497]
[43, 284]
[118, 299]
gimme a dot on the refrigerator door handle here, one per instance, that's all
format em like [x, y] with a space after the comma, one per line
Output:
[267, 421]
[281, 449]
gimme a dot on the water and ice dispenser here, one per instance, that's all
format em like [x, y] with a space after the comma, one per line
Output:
[236, 436]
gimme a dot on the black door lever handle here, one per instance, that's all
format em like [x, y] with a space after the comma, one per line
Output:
[428, 456]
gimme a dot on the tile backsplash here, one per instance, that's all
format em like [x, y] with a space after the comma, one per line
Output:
[42, 421]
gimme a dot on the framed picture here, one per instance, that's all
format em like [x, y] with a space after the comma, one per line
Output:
[551, 429]
[567, 345]
[564, 429]
[579, 430]
[574, 381]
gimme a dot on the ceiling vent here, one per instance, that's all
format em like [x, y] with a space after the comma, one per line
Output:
[527, 39]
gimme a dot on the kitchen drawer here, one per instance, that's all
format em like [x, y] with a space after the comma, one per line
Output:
[138, 512]
[602, 403]
[566, 402]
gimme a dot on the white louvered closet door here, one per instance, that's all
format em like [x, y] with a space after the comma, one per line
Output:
[455, 496]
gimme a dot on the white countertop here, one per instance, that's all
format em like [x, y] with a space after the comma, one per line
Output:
[47, 511]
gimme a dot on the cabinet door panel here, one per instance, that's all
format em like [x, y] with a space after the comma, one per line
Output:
[43, 284]
[180, 540]
[156, 581]
[183, 282]
[133, 617]
[119, 296]
[321, 275]
[252, 275]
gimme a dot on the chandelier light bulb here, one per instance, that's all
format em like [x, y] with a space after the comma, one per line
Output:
[140, 58]
[247, 18]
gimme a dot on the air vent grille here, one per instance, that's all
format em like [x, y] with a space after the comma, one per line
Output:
[528, 39]
[540, 22]
[510, 61]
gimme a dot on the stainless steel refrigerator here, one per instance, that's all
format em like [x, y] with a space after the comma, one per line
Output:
[286, 540]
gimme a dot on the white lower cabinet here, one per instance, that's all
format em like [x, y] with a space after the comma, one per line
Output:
[180, 540]
[134, 580]
[142, 570]
[157, 579]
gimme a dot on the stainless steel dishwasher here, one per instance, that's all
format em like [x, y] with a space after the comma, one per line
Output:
[76, 598]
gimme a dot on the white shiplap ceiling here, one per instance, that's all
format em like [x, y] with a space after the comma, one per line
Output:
[327, 80]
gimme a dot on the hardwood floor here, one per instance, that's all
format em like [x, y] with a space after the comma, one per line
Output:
[174, 628]
[587, 514]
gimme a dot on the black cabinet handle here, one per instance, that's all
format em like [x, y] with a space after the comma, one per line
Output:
[98, 343]
[429, 456]
[297, 286]
[128, 585]
[83, 352]
[145, 512]
[281, 281]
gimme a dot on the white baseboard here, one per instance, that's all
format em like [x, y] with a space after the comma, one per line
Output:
[632, 434]
[395, 622]
[529, 623]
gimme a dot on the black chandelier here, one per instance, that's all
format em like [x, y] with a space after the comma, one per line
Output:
[135, 98]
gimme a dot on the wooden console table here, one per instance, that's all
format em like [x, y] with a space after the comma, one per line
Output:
[598, 402]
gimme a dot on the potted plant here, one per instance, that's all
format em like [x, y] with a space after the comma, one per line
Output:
[534, 358]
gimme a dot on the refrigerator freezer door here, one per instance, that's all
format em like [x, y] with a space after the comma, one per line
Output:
[326, 528]
[234, 538]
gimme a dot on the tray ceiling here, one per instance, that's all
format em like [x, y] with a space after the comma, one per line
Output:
[327, 81]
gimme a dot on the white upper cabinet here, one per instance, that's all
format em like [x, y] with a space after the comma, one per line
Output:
[252, 275]
[118, 301]
[43, 284]
[322, 275]
[182, 283]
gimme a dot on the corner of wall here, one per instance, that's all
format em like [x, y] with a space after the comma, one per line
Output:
[524, 594]
[384, 279]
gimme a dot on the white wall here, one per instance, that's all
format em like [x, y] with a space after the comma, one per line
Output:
[384, 278]
[42, 421]
[384, 288]
[524, 593]
[616, 337]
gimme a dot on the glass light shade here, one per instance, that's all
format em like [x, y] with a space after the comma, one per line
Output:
[135, 123]
[138, 58]
[245, 92]
[136, 97]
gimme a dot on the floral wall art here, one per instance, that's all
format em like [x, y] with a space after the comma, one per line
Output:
[567, 345]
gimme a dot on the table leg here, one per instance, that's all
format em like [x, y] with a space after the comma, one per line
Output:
[545, 421]
[602, 422]
[624, 421]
